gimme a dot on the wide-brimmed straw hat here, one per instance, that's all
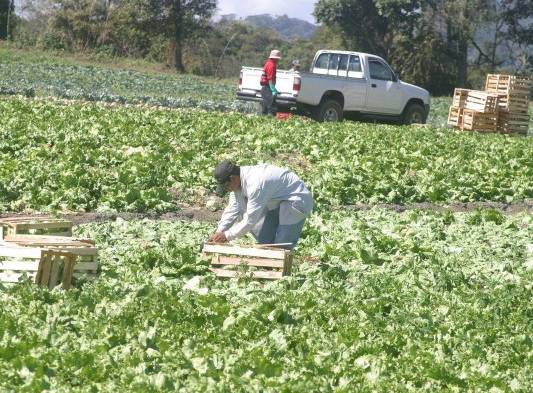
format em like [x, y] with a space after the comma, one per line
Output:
[275, 54]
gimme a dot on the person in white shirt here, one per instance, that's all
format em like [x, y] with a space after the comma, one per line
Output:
[271, 202]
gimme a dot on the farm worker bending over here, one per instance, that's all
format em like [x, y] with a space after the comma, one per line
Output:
[268, 81]
[272, 202]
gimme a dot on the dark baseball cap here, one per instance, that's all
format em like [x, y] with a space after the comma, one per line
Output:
[222, 173]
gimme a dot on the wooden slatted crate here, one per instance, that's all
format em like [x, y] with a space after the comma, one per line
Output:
[455, 116]
[507, 84]
[229, 261]
[478, 121]
[514, 103]
[86, 254]
[459, 97]
[481, 101]
[35, 225]
[513, 123]
[47, 268]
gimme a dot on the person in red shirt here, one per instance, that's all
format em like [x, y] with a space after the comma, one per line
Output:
[268, 83]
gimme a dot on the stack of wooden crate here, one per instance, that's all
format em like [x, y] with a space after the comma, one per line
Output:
[474, 110]
[513, 99]
[48, 260]
[502, 107]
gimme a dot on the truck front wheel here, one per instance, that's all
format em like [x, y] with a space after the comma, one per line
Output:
[414, 113]
[329, 110]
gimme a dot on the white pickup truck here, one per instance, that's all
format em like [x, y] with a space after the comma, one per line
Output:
[342, 83]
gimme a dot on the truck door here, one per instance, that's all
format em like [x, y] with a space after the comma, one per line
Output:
[355, 87]
[384, 94]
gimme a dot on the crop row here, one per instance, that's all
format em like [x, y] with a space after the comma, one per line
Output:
[88, 157]
[378, 301]
[89, 83]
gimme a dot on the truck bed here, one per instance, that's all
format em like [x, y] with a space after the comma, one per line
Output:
[250, 89]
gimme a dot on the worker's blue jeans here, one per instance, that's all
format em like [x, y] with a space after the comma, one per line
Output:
[272, 232]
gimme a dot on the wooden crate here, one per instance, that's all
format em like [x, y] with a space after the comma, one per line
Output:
[44, 267]
[35, 225]
[481, 101]
[518, 103]
[459, 97]
[260, 262]
[455, 116]
[478, 121]
[507, 84]
[513, 123]
[49, 241]
[83, 249]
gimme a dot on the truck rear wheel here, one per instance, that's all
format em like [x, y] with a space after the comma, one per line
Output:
[329, 110]
[414, 113]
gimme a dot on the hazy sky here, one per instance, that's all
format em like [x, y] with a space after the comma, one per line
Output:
[301, 9]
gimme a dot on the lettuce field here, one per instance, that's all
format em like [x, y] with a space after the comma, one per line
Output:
[379, 301]
[89, 157]
[423, 300]
[93, 83]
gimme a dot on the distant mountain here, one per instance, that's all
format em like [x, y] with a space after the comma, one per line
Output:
[286, 27]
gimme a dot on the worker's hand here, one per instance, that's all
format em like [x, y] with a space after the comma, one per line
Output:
[274, 91]
[218, 237]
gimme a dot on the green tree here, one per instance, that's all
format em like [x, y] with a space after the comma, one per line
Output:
[427, 40]
[130, 27]
[175, 20]
[181, 19]
[227, 46]
[7, 10]
[517, 15]
[133, 28]
[360, 24]
[460, 21]
[399, 30]
[78, 23]
[425, 59]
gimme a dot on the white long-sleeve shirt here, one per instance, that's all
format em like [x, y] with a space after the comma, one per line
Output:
[265, 187]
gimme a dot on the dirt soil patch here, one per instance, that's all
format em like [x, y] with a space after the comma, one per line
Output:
[188, 214]
[207, 215]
